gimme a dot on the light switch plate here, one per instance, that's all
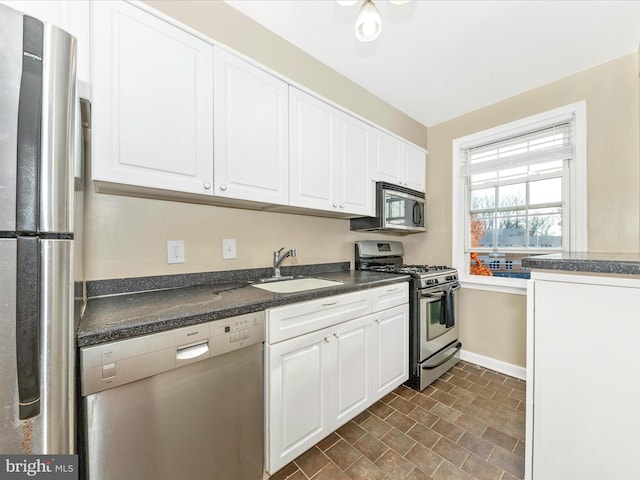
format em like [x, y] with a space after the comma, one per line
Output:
[229, 248]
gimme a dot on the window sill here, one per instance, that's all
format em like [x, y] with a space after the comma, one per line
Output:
[514, 286]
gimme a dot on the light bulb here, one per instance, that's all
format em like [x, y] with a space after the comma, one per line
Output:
[369, 23]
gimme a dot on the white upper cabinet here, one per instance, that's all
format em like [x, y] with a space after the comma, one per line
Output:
[251, 121]
[175, 116]
[72, 17]
[329, 157]
[414, 161]
[398, 162]
[153, 101]
[312, 166]
[354, 187]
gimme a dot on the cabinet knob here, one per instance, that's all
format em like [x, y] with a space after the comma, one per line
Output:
[378, 321]
[207, 186]
[336, 335]
[335, 205]
[327, 339]
[223, 187]
[342, 205]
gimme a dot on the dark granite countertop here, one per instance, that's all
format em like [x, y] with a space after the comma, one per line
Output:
[585, 262]
[125, 315]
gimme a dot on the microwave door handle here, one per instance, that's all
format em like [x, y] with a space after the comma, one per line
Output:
[417, 214]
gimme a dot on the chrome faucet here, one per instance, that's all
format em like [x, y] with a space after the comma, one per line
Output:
[278, 259]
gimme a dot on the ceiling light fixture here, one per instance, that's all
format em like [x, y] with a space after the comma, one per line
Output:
[369, 23]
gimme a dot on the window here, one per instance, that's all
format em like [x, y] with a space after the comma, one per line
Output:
[519, 190]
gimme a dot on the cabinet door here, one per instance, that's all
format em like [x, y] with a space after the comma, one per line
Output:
[297, 396]
[153, 101]
[585, 349]
[352, 345]
[72, 17]
[387, 157]
[251, 132]
[415, 166]
[312, 151]
[354, 187]
[391, 352]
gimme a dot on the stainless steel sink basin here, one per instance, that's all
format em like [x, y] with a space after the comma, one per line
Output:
[296, 285]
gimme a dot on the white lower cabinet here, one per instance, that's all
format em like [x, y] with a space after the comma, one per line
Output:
[318, 381]
[582, 377]
[298, 385]
[391, 331]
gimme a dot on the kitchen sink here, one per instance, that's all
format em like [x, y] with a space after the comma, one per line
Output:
[296, 285]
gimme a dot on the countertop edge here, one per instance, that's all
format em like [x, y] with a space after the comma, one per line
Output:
[618, 264]
[113, 333]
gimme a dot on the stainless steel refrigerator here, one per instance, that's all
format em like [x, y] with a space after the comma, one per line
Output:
[40, 143]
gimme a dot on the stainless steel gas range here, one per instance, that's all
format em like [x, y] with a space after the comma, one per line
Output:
[433, 330]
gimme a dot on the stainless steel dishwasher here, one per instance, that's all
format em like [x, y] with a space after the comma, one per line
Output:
[185, 403]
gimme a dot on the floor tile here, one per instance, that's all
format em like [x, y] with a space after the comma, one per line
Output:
[423, 435]
[397, 440]
[331, 472]
[473, 443]
[371, 447]
[451, 451]
[499, 438]
[394, 465]
[351, 432]
[312, 461]
[343, 454]
[365, 469]
[508, 461]
[401, 421]
[424, 459]
[481, 469]
[376, 426]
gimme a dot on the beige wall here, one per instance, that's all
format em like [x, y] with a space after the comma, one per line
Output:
[493, 324]
[126, 237]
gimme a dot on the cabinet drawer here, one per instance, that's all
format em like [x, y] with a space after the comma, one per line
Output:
[389, 296]
[304, 317]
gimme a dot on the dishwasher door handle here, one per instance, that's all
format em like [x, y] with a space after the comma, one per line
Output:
[192, 351]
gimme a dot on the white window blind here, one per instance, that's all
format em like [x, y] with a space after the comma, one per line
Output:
[515, 156]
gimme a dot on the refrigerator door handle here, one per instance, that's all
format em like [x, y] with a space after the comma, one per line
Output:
[29, 127]
[28, 326]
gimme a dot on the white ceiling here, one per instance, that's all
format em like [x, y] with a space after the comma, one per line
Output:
[436, 60]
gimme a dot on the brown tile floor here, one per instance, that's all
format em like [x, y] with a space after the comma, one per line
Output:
[469, 424]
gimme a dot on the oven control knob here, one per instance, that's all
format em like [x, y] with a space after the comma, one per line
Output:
[430, 282]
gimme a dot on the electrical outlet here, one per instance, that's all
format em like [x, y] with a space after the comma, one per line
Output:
[175, 251]
[229, 248]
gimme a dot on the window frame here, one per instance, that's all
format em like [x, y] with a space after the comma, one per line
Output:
[575, 208]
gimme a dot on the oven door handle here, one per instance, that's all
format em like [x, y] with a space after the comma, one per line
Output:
[458, 346]
[434, 294]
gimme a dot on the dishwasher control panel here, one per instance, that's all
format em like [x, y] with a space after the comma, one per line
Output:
[109, 365]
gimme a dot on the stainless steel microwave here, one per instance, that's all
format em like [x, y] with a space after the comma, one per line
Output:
[399, 211]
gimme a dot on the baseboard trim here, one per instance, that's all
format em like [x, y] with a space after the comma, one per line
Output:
[493, 364]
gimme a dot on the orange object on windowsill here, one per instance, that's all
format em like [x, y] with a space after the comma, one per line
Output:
[477, 267]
